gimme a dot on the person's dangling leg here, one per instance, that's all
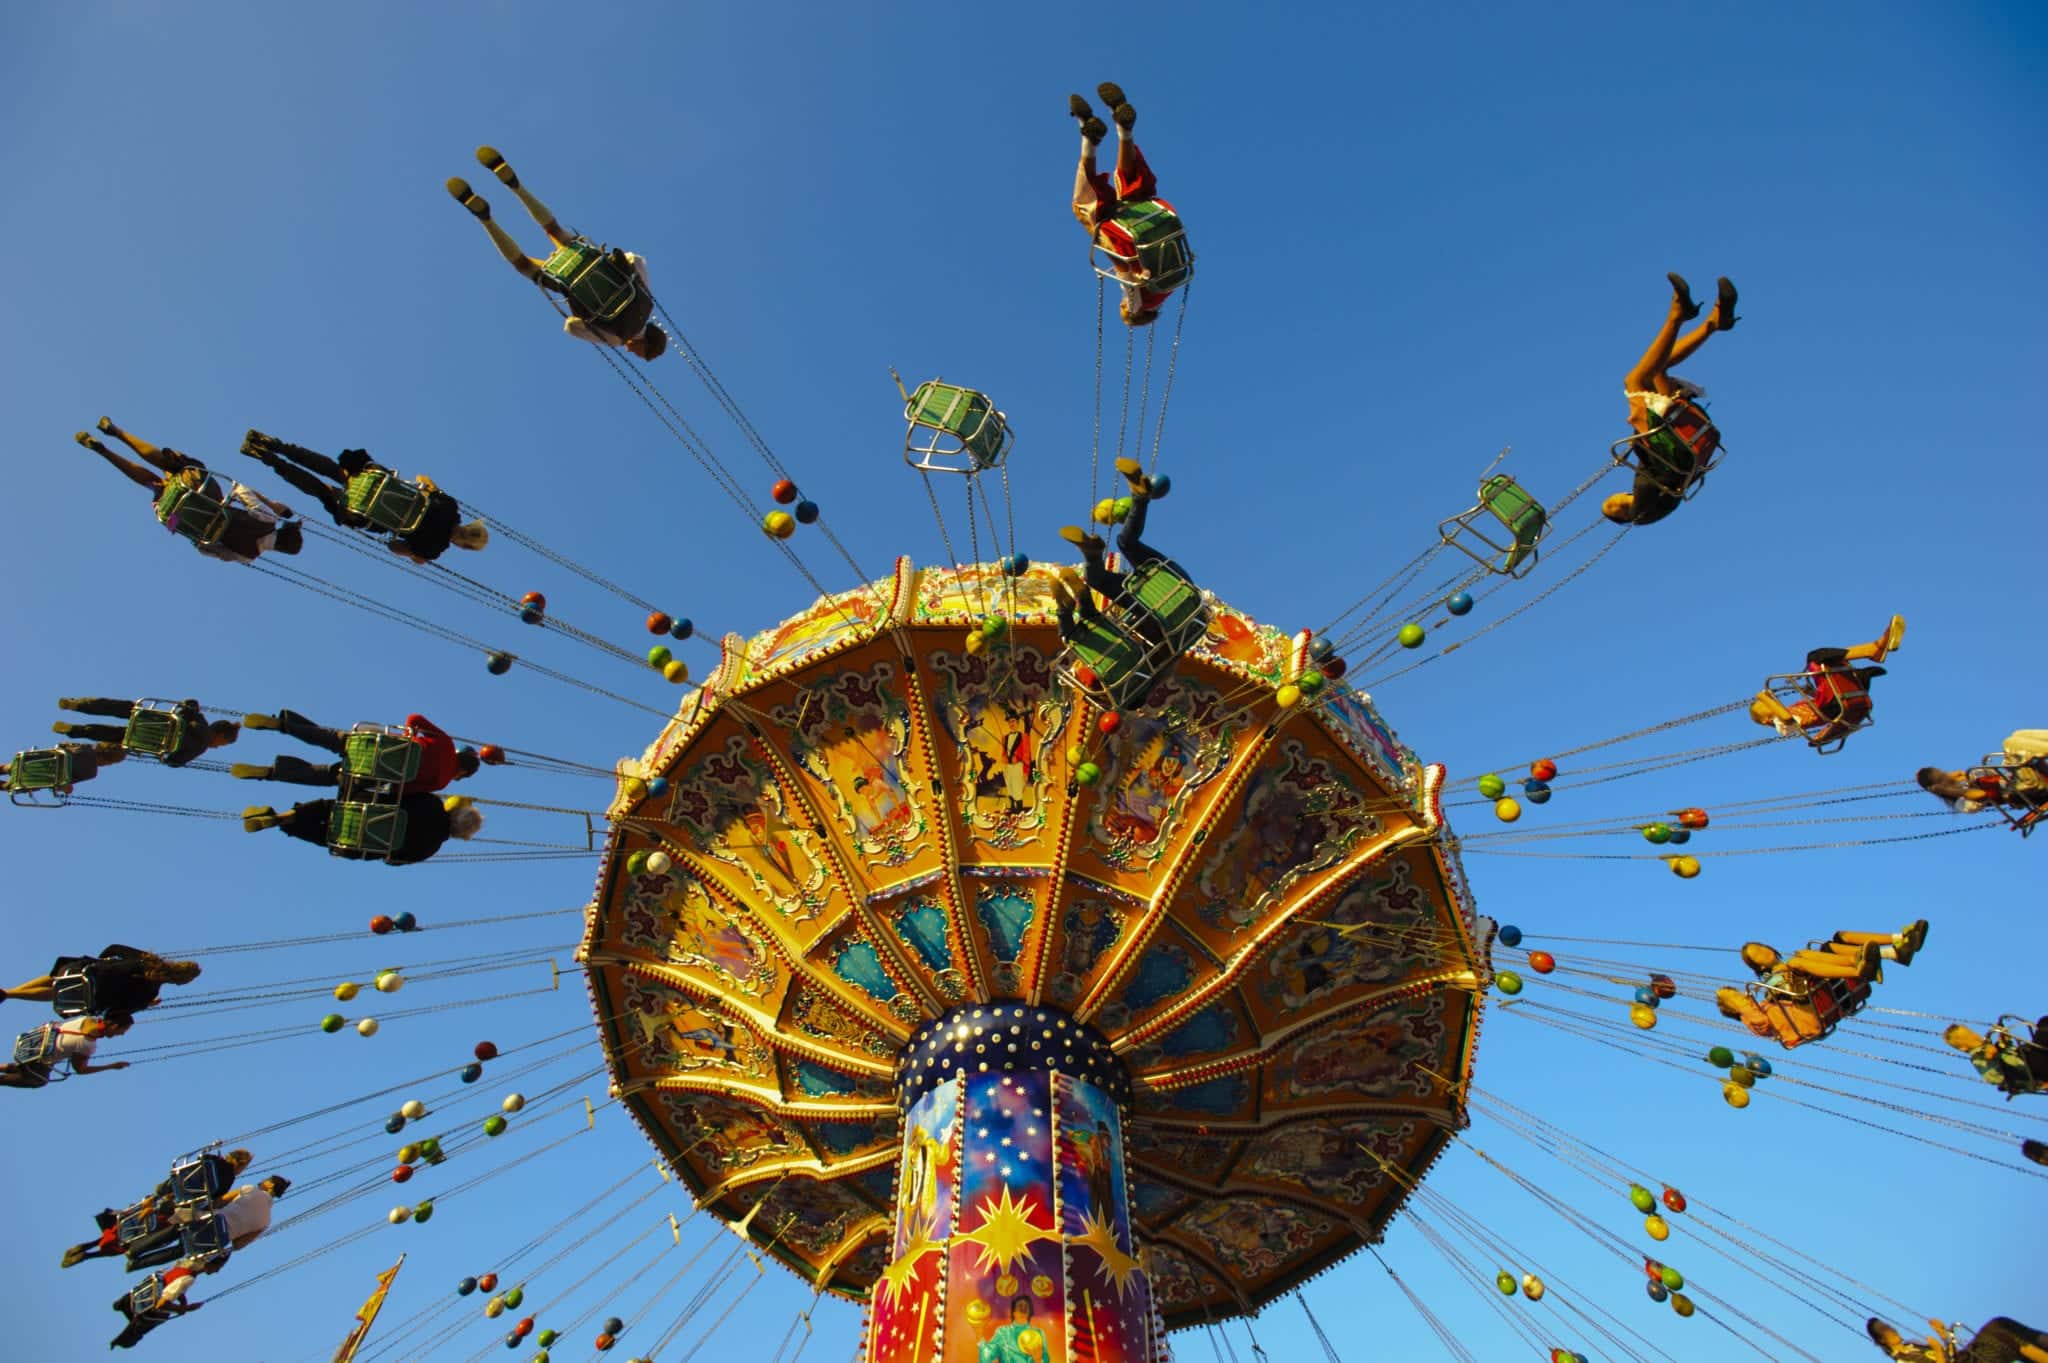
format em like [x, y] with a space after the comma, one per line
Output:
[1720, 319]
[134, 473]
[1648, 374]
[22, 1077]
[1095, 570]
[41, 989]
[107, 707]
[1878, 649]
[490, 160]
[293, 770]
[296, 725]
[170, 461]
[1130, 536]
[480, 209]
[327, 494]
[94, 733]
[1093, 196]
[1829, 965]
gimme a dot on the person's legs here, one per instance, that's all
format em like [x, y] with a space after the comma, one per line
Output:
[294, 770]
[133, 472]
[23, 1076]
[1830, 965]
[459, 190]
[311, 460]
[488, 158]
[1878, 649]
[1648, 373]
[1134, 179]
[41, 989]
[1094, 199]
[170, 461]
[307, 822]
[1130, 540]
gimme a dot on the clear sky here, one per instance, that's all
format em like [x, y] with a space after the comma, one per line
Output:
[1426, 232]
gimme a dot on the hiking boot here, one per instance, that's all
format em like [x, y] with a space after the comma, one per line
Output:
[1094, 129]
[256, 818]
[71, 702]
[1077, 107]
[259, 721]
[1687, 309]
[1134, 474]
[1111, 94]
[249, 771]
[1908, 943]
[459, 190]
[73, 1257]
[1724, 305]
[60, 727]
[488, 158]
[1091, 545]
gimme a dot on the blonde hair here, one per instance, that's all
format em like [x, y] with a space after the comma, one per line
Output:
[470, 535]
[465, 821]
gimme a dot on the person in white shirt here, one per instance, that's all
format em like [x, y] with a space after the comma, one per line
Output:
[609, 299]
[75, 1040]
[244, 1213]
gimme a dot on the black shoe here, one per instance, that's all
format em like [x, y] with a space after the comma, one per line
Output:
[1077, 107]
[1094, 129]
[1687, 309]
[459, 190]
[2034, 1151]
[488, 158]
[1724, 304]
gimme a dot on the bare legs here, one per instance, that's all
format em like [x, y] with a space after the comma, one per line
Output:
[1668, 349]
[480, 209]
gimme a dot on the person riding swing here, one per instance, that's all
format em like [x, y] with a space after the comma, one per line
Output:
[606, 289]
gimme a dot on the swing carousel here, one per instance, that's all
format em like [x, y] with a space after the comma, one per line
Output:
[1031, 1024]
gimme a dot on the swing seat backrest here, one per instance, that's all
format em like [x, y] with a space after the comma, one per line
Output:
[36, 1046]
[387, 501]
[146, 1296]
[969, 417]
[1158, 242]
[138, 1221]
[1510, 503]
[600, 288]
[74, 994]
[365, 830]
[41, 769]
[380, 757]
[153, 733]
[207, 1238]
[1172, 601]
[1119, 661]
[199, 1180]
[1834, 1000]
[192, 512]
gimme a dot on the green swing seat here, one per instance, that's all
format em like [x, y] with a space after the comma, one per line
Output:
[387, 501]
[48, 770]
[368, 831]
[377, 755]
[601, 289]
[153, 732]
[967, 433]
[1118, 660]
[1159, 245]
[1518, 513]
[1172, 601]
[1677, 453]
[192, 512]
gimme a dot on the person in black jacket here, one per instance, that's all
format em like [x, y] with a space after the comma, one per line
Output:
[345, 486]
[429, 822]
[120, 979]
[194, 736]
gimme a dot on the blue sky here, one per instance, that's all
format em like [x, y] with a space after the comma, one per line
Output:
[1425, 234]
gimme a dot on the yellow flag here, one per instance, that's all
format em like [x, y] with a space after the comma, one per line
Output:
[367, 1317]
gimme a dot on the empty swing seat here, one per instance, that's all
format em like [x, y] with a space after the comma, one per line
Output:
[1517, 513]
[966, 433]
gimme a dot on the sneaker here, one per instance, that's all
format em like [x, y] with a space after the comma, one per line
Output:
[1724, 305]
[459, 190]
[1111, 94]
[248, 771]
[71, 702]
[85, 438]
[1687, 309]
[259, 721]
[1077, 107]
[73, 1257]
[1125, 116]
[256, 818]
[1087, 543]
[1908, 943]
[1094, 129]
[60, 727]
[488, 158]
[106, 425]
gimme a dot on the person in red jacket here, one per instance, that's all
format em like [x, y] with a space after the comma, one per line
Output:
[1125, 216]
[441, 762]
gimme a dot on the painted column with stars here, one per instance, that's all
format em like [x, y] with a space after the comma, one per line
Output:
[1013, 1236]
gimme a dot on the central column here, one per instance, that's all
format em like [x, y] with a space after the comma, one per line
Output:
[1013, 1235]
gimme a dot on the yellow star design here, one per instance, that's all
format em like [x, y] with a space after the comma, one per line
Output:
[1117, 1266]
[896, 1277]
[1005, 1235]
